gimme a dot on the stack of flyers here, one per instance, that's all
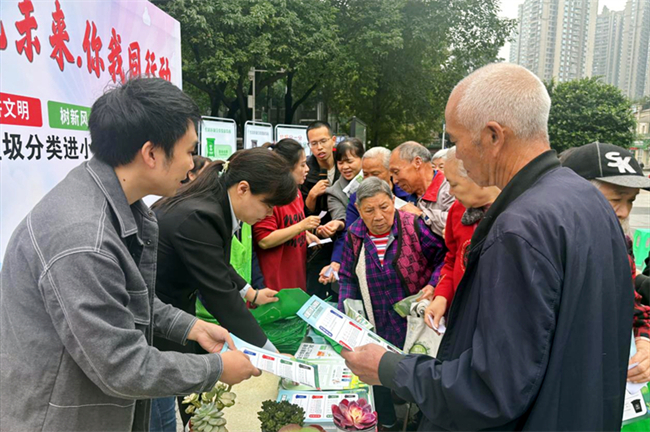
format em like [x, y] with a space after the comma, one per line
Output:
[311, 351]
[284, 367]
[333, 374]
[338, 327]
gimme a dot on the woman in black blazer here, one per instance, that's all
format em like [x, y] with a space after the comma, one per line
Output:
[196, 229]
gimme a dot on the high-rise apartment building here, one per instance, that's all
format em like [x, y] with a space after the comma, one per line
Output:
[635, 38]
[607, 45]
[556, 37]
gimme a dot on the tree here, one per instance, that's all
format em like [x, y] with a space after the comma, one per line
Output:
[401, 59]
[588, 110]
[391, 63]
[223, 39]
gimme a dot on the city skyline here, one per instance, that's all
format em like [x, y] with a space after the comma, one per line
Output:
[509, 9]
[573, 39]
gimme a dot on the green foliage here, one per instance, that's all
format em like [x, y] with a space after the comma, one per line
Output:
[223, 39]
[207, 409]
[275, 415]
[391, 63]
[401, 59]
[208, 418]
[588, 110]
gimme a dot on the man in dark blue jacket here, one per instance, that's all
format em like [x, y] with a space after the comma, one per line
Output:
[539, 331]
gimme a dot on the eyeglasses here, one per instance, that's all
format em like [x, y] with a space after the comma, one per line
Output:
[321, 142]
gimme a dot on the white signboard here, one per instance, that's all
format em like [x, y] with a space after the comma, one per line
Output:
[298, 133]
[218, 138]
[256, 134]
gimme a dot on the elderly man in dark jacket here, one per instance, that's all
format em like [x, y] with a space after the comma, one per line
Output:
[538, 335]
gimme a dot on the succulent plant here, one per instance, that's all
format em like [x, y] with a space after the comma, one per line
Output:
[275, 415]
[208, 418]
[206, 410]
[353, 416]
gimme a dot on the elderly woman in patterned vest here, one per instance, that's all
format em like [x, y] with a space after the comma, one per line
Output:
[388, 255]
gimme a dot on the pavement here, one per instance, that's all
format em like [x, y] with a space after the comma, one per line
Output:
[640, 216]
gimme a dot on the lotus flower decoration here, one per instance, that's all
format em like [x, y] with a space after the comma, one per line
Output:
[354, 416]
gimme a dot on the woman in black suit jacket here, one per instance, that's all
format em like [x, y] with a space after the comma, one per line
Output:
[196, 229]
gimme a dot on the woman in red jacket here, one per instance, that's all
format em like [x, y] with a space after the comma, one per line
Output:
[472, 201]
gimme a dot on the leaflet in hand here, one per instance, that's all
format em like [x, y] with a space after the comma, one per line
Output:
[339, 327]
[632, 388]
[318, 405]
[634, 406]
[333, 374]
[354, 184]
[330, 271]
[322, 242]
[278, 364]
[311, 351]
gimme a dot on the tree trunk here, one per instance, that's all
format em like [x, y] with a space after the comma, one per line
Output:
[241, 98]
[288, 100]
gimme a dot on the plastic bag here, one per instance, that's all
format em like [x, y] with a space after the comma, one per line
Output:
[420, 338]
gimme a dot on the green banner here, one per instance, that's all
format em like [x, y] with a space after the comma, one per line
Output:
[67, 116]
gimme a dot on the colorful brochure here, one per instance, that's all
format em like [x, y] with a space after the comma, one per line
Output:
[338, 327]
[333, 374]
[318, 405]
[279, 365]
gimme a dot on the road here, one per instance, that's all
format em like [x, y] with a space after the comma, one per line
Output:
[640, 216]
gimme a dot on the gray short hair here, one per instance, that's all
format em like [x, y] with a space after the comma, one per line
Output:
[411, 149]
[371, 187]
[508, 94]
[440, 154]
[380, 153]
[451, 158]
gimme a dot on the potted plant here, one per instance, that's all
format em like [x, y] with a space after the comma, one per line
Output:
[207, 409]
[275, 415]
[354, 416]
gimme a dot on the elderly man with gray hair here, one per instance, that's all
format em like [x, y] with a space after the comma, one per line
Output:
[538, 336]
[410, 166]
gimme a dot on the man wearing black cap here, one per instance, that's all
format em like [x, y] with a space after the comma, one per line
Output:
[618, 176]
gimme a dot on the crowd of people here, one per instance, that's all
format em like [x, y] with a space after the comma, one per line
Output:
[111, 310]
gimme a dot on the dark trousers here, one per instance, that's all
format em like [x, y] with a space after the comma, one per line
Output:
[384, 405]
[316, 260]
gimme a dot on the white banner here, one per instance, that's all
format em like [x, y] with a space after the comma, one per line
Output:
[298, 133]
[218, 138]
[57, 58]
[257, 134]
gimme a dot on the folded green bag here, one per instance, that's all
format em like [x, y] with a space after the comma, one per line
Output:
[291, 300]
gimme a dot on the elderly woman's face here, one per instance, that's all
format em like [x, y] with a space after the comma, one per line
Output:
[378, 213]
[468, 193]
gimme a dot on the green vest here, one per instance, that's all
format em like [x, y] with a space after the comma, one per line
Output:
[241, 258]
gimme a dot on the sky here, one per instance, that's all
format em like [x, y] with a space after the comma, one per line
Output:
[509, 10]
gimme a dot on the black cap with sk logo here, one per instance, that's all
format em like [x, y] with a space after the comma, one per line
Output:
[607, 163]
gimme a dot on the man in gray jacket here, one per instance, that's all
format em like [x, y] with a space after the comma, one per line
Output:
[78, 281]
